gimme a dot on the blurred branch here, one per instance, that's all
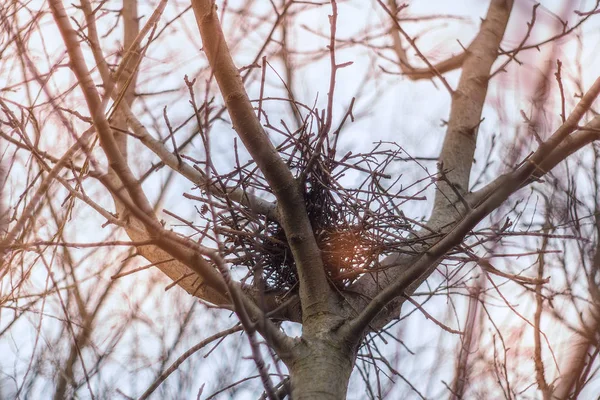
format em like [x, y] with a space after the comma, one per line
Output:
[461, 371]
[432, 70]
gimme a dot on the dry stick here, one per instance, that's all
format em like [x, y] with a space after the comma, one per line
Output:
[558, 76]
[283, 389]
[172, 135]
[488, 267]
[262, 87]
[537, 353]
[324, 130]
[142, 268]
[288, 83]
[432, 318]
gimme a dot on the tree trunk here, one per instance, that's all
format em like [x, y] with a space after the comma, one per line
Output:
[322, 369]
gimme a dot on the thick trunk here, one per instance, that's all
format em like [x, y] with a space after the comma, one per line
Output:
[323, 369]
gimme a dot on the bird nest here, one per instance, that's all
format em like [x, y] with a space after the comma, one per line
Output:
[352, 204]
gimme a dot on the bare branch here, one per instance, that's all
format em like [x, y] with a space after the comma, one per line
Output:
[467, 104]
[314, 289]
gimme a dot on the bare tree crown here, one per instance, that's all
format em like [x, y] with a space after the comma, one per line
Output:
[362, 251]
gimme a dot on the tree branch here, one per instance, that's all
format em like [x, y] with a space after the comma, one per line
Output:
[467, 104]
[432, 70]
[107, 141]
[459, 145]
[314, 288]
[414, 274]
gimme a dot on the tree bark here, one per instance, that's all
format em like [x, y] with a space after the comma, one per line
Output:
[321, 368]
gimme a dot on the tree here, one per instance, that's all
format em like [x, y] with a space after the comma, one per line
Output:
[324, 252]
